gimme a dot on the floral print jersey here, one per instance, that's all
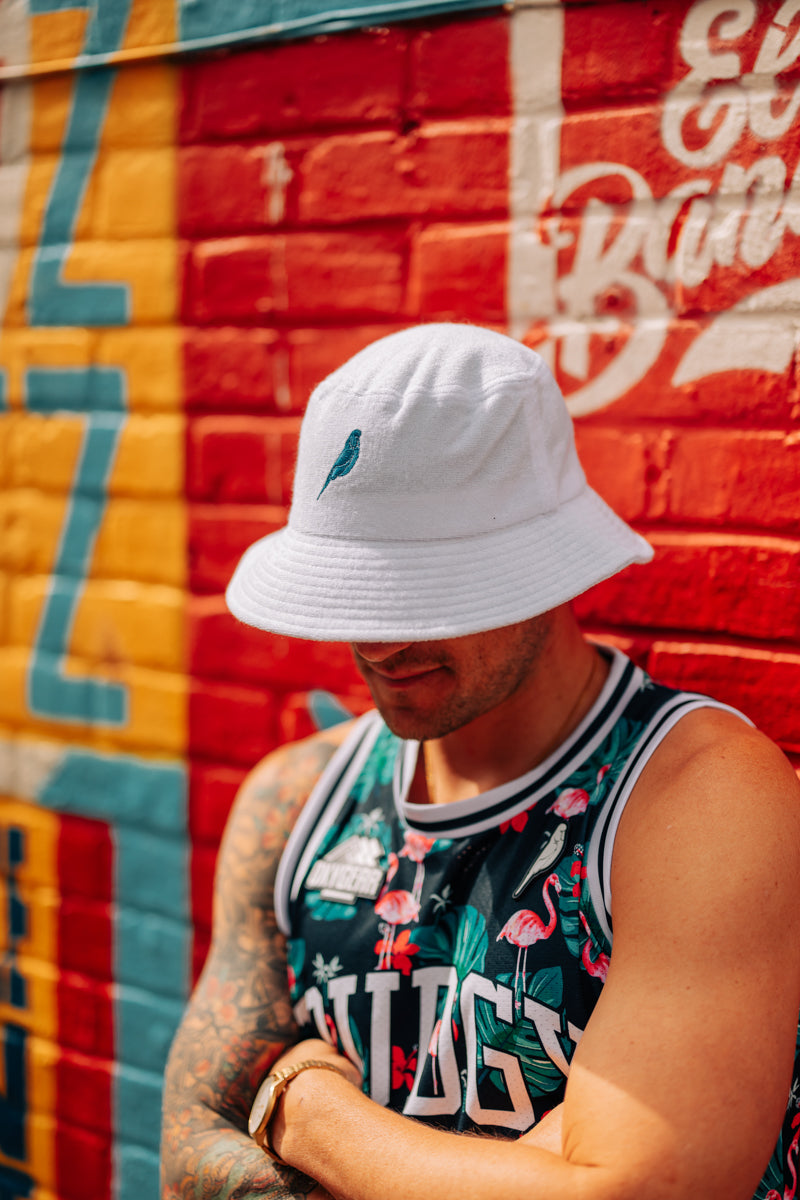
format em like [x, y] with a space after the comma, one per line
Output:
[456, 952]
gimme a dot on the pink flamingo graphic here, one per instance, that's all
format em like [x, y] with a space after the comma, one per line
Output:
[416, 846]
[789, 1192]
[597, 967]
[570, 802]
[396, 908]
[524, 928]
[433, 1049]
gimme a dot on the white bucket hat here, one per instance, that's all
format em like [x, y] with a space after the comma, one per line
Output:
[438, 493]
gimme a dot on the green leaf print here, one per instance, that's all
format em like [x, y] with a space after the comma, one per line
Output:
[378, 771]
[569, 905]
[295, 957]
[458, 939]
[599, 771]
[520, 1038]
[328, 910]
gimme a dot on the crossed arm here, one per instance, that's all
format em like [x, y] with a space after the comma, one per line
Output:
[679, 1084]
[239, 1019]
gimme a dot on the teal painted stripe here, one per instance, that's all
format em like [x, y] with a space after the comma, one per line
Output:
[76, 390]
[50, 692]
[107, 20]
[51, 300]
[205, 24]
[145, 804]
[120, 789]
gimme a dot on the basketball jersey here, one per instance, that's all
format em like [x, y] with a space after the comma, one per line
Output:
[456, 952]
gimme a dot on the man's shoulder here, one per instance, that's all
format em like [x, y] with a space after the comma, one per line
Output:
[295, 766]
[715, 772]
[719, 744]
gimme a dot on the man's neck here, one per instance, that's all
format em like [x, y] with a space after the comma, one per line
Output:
[521, 732]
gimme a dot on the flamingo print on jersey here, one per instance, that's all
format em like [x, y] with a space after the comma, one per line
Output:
[789, 1192]
[397, 907]
[597, 967]
[570, 802]
[416, 846]
[524, 928]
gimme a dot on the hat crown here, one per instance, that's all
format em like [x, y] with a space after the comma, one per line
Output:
[439, 431]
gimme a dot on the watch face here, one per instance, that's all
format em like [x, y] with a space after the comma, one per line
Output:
[260, 1105]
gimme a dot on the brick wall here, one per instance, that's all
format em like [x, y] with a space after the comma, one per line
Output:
[187, 246]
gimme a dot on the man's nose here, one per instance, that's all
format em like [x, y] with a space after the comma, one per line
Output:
[377, 652]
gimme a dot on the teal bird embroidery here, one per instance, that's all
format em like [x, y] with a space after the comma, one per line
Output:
[346, 460]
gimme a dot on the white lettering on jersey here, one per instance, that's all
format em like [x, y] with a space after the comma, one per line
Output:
[381, 984]
[436, 1043]
[547, 1022]
[339, 991]
[316, 1007]
[520, 1117]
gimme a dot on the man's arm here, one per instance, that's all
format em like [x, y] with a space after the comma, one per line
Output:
[679, 1085]
[239, 1019]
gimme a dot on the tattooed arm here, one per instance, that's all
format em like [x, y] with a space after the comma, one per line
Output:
[239, 1019]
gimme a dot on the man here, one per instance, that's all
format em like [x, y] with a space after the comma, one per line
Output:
[446, 888]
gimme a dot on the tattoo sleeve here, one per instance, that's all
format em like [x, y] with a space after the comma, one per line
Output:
[239, 1019]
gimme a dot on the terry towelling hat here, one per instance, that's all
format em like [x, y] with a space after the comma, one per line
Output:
[438, 493]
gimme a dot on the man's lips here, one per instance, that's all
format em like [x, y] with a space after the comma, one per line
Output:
[407, 678]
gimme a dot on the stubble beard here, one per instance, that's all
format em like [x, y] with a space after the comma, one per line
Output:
[479, 684]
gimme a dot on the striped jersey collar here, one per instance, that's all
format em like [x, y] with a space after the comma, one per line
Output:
[461, 818]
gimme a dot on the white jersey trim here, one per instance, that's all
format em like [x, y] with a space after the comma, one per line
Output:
[338, 776]
[462, 818]
[601, 845]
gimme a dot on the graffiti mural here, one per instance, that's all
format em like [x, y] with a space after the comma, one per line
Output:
[188, 244]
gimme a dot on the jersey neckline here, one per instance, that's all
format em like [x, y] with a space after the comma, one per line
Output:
[491, 808]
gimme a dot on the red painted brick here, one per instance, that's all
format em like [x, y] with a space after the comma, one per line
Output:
[706, 583]
[295, 721]
[85, 858]
[219, 534]
[83, 1159]
[350, 78]
[200, 948]
[242, 458]
[616, 50]
[85, 1014]
[203, 865]
[444, 169]
[85, 937]
[231, 724]
[222, 647]
[723, 397]
[728, 477]
[87, 1082]
[621, 464]
[458, 273]
[227, 370]
[462, 67]
[212, 791]
[763, 684]
[228, 189]
[251, 279]
[314, 353]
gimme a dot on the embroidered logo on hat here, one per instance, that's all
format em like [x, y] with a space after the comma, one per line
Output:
[346, 460]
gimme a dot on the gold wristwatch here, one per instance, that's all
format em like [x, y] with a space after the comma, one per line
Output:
[266, 1101]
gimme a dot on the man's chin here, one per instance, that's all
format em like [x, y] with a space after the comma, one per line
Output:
[418, 726]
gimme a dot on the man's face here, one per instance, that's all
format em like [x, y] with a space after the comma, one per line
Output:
[426, 690]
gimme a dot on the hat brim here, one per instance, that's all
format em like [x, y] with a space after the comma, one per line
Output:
[335, 590]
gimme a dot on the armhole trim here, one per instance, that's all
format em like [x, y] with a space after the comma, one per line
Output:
[601, 844]
[334, 783]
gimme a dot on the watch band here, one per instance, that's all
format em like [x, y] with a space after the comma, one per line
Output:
[265, 1104]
